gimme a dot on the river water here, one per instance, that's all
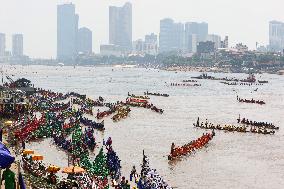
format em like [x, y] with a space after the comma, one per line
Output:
[230, 161]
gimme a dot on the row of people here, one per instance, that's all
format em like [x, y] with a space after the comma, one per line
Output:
[156, 94]
[261, 102]
[189, 81]
[185, 84]
[232, 128]
[87, 122]
[257, 124]
[190, 147]
[135, 96]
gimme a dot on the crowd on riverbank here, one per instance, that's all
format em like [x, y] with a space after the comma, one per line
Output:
[61, 117]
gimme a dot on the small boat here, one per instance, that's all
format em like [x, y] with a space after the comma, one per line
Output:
[156, 94]
[136, 96]
[262, 81]
[249, 79]
[137, 100]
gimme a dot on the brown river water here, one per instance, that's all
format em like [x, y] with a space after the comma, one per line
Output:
[230, 160]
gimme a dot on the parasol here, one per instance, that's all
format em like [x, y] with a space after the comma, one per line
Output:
[53, 169]
[37, 157]
[73, 169]
[27, 151]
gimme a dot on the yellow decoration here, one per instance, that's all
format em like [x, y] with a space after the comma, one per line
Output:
[8, 123]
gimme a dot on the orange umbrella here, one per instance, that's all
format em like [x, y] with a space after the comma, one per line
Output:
[53, 169]
[37, 157]
[73, 169]
[27, 151]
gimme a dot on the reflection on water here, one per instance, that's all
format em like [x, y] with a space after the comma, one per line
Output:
[231, 160]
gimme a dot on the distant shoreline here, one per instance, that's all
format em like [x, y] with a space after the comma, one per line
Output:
[169, 68]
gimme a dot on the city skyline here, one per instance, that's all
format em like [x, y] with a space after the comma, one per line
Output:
[242, 24]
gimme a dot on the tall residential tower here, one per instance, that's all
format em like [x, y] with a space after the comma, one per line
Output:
[171, 36]
[84, 41]
[2, 44]
[67, 31]
[18, 45]
[120, 26]
[276, 36]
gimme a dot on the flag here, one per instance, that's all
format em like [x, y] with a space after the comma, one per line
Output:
[5, 156]
[21, 182]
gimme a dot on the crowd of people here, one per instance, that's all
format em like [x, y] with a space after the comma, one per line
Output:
[61, 117]
[149, 178]
[122, 112]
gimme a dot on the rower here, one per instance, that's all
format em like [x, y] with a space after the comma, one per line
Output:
[133, 173]
[172, 148]
[213, 133]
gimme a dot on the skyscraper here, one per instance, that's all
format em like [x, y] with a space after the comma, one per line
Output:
[276, 36]
[84, 40]
[17, 45]
[199, 29]
[171, 35]
[191, 43]
[67, 31]
[2, 44]
[120, 26]
[193, 34]
[151, 44]
[202, 31]
[225, 42]
[151, 38]
[216, 39]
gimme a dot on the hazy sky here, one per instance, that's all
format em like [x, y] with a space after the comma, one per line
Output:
[243, 20]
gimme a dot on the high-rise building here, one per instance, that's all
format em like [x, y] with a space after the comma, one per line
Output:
[276, 36]
[151, 44]
[2, 44]
[17, 45]
[202, 31]
[178, 36]
[216, 39]
[84, 40]
[120, 26]
[67, 31]
[191, 43]
[193, 33]
[166, 35]
[199, 29]
[138, 46]
[205, 47]
[171, 35]
[225, 42]
[151, 38]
